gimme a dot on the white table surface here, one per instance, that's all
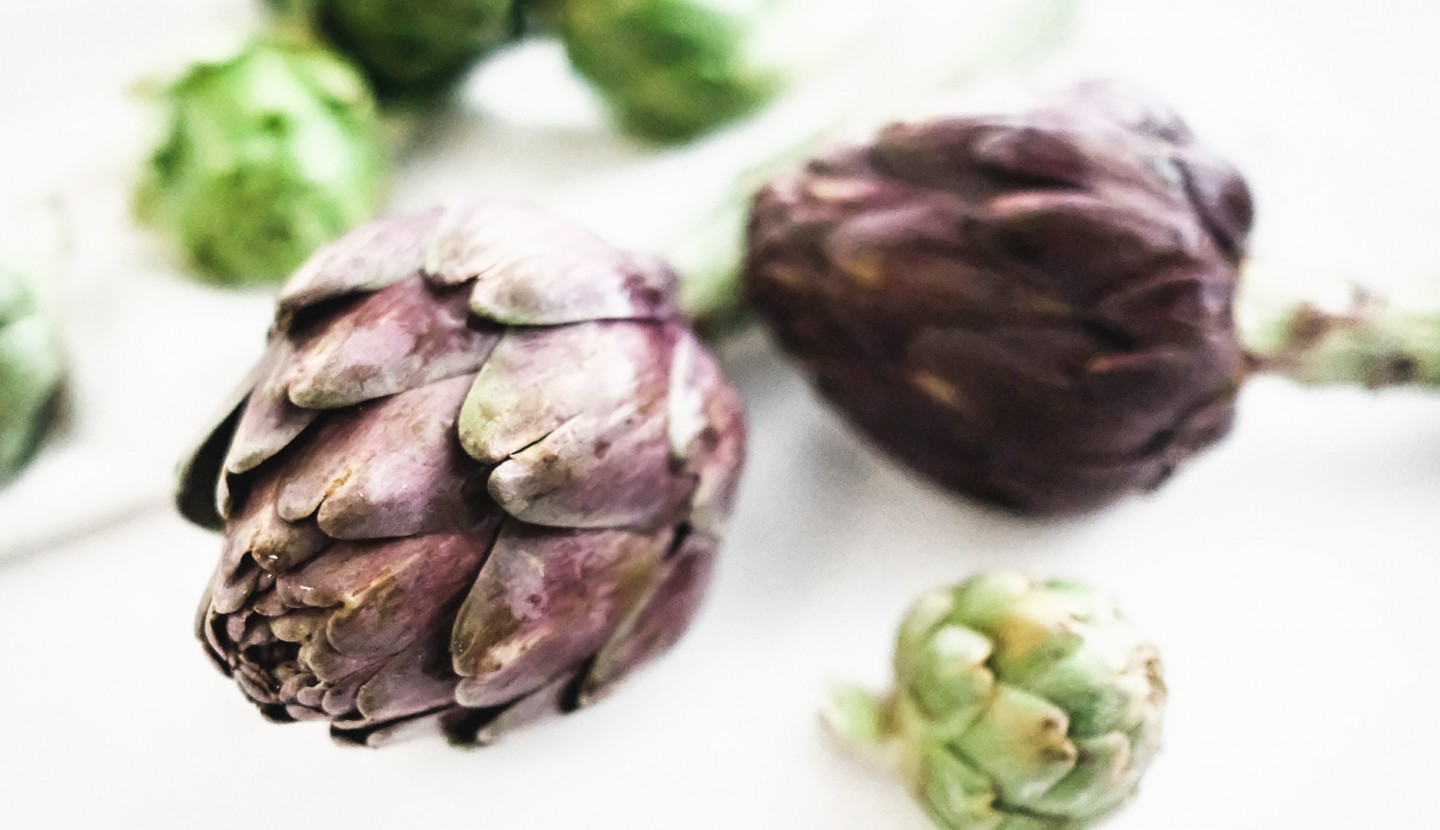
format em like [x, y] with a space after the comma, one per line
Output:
[1287, 574]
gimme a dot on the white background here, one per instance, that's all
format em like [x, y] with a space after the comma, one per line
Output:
[1287, 574]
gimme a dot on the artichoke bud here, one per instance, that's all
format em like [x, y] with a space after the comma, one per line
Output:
[671, 70]
[409, 49]
[1033, 309]
[479, 476]
[266, 156]
[1016, 704]
[30, 372]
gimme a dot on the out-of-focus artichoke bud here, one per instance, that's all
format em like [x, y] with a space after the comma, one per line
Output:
[1017, 704]
[1033, 309]
[267, 156]
[672, 69]
[30, 372]
[409, 48]
[479, 476]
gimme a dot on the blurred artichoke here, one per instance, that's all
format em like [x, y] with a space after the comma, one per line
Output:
[1033, 309]
[409, 48]
[267, 156]
[671, 69]
[1017, 705]
[30, 371]
[480, 475]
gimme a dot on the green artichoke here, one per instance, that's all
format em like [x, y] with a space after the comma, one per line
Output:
[409, 49]
[672, 69]
[480, 475]
[1018, 705]
[30, 372]
[267, 156]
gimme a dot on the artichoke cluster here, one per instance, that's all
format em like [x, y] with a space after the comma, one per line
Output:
[30, 372]
[1017, 704]
[266, 156]
[1033, 309]
[479, 476]
[669, 70]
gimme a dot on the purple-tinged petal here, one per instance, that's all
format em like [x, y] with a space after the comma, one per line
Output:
[270, 421]
[1085, 243]
[656, 625]
[399, 338]
[543, 703]
[274, 544]
[606, 369]
[197, 496]
[387, 734]
[545, 601]
[593, 475]
[707, 433]
[387, 469]
[386, 595]
[530, 269]
[367, 258]
[416, 680]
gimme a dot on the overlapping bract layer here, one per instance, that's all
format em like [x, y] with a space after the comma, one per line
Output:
[30, 371]
[266, 156]
[1023, 705]
[1033, 309]
[480, 475]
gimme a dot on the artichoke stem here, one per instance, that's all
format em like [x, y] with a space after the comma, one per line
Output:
[863, 723]
[1371, 343]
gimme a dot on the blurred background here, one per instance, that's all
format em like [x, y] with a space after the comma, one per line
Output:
[1286, 574]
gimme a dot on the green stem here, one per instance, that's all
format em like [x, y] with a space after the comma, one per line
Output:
[1371, 344]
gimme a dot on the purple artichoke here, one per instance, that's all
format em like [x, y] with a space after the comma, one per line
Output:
[1032, 309]
[479, 476]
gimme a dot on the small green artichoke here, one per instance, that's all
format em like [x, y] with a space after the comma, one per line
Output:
[671, 69]
[30, 371]
[267, 156]
[409, 49]
[1018, 705]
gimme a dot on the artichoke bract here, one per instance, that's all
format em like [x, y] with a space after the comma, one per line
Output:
[30, 372]
[1033, 309]
[409, 49]
[267, 155]
[1017, 704]
[480, 475]
[671, 70]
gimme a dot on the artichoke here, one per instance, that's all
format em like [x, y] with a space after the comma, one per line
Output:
[671, 69]
[267, 156]
[1033, 309]
[1018, 704]
[30, 372]
[479, 476]
[409, 48]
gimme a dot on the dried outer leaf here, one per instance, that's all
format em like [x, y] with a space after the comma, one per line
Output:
[545, 601]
